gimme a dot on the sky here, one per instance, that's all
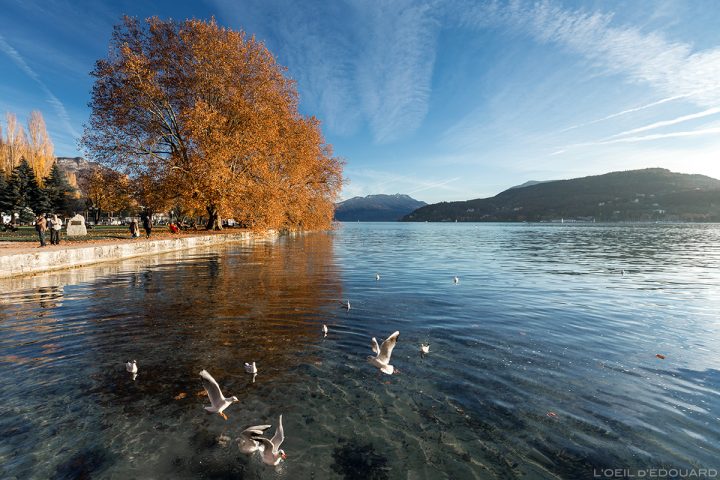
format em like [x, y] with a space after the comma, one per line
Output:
[442, 100]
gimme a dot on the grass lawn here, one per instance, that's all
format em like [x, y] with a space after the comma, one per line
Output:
[101, 232]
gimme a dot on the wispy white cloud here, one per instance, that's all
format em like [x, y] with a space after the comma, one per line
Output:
[432, 185]
[672, 68]
[375, 70]
[642, 138]
[57, 105]
[661, 136]
[395, 72]
[627, 112]
[667, 123]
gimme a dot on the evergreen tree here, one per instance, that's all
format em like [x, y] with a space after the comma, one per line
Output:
[5, 202]
[23, 191]
[58, 190]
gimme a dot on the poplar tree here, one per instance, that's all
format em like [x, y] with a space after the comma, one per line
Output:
[39, 150]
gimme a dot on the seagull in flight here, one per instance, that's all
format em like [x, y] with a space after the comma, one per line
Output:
[456, 280]
[382, 360]
[217, 399]
[348, 305]
[377, 276]
[272, 454]
[325, 330]
[425, 348]
[247, 441]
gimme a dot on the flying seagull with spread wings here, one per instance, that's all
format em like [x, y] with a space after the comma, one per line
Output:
[382, 360]
[217, 399]
[272, 454]
[247, 440]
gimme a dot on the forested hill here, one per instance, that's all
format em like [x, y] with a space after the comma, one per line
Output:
[376, 208]
[653, 194]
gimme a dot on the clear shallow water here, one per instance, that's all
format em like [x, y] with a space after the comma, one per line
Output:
[542, 365]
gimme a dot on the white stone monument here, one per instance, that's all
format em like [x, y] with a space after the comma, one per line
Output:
[76, 226]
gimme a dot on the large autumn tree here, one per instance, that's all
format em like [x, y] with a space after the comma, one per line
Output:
[105, 190]
[207, 116]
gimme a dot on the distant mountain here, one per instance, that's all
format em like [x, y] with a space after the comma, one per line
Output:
[376, 208]
[74, 165]
[529, 183]
[652, 194]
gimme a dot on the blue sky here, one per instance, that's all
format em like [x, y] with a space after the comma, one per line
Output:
[443, 100]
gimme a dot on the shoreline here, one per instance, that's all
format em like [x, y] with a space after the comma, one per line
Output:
[27, 259]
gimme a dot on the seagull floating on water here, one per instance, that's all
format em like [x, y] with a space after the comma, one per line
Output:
[131, 367]
[250, 367]
[377, 276]
[456, 280]
[217, 399]
[348, 305]
[382, 360]
[425, 348]
[272, 454]
[247, 443]
[325, 330]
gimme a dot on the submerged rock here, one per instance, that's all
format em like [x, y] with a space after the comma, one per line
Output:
[356, 462]
[83, 465]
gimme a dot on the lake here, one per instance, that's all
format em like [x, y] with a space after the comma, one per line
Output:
[562, 352]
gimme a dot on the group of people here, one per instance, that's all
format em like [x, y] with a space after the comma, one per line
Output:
[146, 219]
[43, 223]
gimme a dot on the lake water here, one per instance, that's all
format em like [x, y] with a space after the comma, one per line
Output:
[543, 358]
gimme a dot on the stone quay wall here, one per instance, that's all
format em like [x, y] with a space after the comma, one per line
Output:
[76, 256]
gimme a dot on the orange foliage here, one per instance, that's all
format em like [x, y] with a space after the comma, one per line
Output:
[106, 190]
[39, 148]
[207, 114]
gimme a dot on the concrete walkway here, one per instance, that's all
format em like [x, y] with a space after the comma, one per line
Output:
[30, 259]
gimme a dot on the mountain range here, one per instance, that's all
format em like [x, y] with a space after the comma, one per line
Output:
[652, 194]
[376, 208]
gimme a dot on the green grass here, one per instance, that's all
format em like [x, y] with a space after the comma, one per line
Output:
[101, 232]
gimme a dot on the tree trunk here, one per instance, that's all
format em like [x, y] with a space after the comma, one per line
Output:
[214, 221]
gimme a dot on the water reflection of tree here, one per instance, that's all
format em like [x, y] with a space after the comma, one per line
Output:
[264, 302]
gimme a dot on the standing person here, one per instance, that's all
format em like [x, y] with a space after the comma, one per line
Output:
[55, 226]
[147, 222]
[134, 228]
[41, 227]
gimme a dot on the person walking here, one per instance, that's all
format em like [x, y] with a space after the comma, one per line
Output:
[147, 222]
[55, 227]
[41, 227]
